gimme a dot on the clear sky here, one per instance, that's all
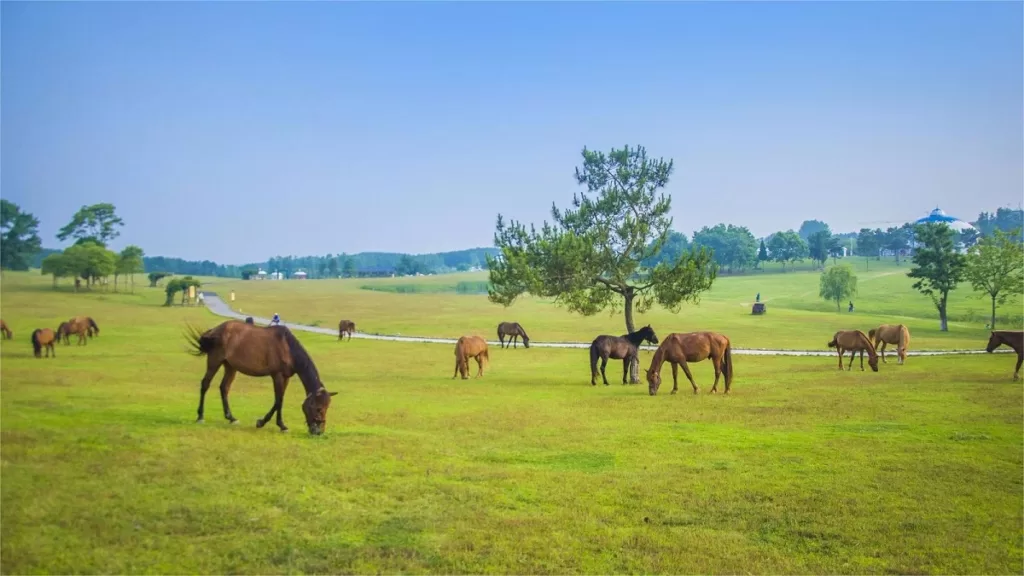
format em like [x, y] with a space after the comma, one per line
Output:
[236, 131]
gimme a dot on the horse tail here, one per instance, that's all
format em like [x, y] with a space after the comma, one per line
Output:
[487, 356]
[904, 340]
[727, 366]
[92, 324]
[201, 342]
[871, 335]
[37, 348]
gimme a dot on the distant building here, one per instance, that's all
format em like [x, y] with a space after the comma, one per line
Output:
[261, 274]
[300, 275]
[938, 216]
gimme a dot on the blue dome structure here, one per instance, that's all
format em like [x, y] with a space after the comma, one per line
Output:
[938, 216]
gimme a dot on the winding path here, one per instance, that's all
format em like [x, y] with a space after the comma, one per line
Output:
[219, 307]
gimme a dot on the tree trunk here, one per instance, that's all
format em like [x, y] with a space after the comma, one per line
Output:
[634, 366]
[994, 311]
[115, 282]
[943, 325]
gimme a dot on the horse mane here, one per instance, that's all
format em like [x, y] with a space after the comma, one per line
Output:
[302, 362]
[93, 324]
[522, 330]
[637, 338]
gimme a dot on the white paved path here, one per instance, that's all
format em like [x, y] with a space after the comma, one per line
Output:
[220, 308]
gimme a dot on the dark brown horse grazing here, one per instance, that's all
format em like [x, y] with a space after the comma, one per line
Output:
[6, 331]
[625, 348]
[62, 333]
[854, 341]
[43, 338]
[680, 349]
[83, 326]
[1012, 338]
[257, 351]
[514, 331]
[470, 347]
[346, 327]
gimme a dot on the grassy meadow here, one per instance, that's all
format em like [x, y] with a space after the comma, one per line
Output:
[797, 318]
[802, 469]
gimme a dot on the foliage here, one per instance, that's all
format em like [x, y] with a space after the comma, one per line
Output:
[674, 247]
[87, 260]
[787, 247]
[592, 257]
[821, 244]
[897, 239]
[156, 277]
[731, 246]
[130, 262]
[869, 242]
[762, 253]
[19, 237]
[1005, 219]
[995, 267]
[837, 284]
[938, 268]
[409, 266]
[809, 227]
[97, 223]
[969, 237]
[179, 285]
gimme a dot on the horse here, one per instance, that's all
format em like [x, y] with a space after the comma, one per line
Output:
[854, 341]
[1012, 338]
[897, 334]
[680, 349]
[346, 326]
[470, 347]
[6, 331]
[514, 330]
[83, 326]
[261, 351]
[43, 337]
[625, 348]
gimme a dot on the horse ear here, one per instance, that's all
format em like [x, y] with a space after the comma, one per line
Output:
[334, 393]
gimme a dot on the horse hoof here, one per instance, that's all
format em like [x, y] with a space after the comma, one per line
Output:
[233, 421]
[259, 423]
[284, 429]
[674, 391]
[200, 420]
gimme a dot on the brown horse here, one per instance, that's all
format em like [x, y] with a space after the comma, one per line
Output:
[897, 334]
[625, 348]
[43, 337]
[514, 331]
[1012, 338]
[6, 331]
[470, 347]
[680, 349]
[257, 351]
[854, 341]
[346, 326]
[83, 326]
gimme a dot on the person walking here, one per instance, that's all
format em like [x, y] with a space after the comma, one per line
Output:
[851, 305]
[276, 321]
[758, 298]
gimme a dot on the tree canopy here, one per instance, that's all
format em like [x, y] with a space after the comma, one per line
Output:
[732, 247]
[97, 223]
[786, 247]
[19, 237]
[837, 284]
[591, 257]
[810, 227]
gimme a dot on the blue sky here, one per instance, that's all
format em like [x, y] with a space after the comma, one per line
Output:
[236, 131]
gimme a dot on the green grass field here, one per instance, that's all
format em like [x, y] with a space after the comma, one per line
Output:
[797, 318]
[803, 469]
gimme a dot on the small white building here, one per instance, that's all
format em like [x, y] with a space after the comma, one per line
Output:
[300, 275]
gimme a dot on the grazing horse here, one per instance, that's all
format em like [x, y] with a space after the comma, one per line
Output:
[514, 330]
[258, 351]
[625, 348]
[62, 333]
[470, 347]
[897, 334]
[83, 326]
[854, 341]
[680, 349]
[7, 331]
[43, 337]
[346, 326]
[1012, 338]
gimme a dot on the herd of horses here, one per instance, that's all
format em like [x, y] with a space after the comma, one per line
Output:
[273, 351]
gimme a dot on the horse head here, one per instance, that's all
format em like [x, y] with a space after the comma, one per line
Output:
[653, 381]
[873, 362]
[649, 334]
[315, 408]
[993, 343]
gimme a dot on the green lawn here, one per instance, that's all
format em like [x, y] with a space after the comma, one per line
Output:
[797, 318]
[803, 469]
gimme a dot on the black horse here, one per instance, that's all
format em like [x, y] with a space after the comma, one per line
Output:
[625, 347]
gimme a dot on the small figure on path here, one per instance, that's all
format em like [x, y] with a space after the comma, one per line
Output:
[758, 298]
[276, 321]
[851, 306]
[199, 299]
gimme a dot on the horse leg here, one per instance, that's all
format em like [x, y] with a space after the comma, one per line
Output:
[211, 370]
[225, 388]
[1016, 371]
[839, 350]
[625, 370]
[479, 365]
[862, 360]
[853, 355]
[604, 362]
[883, 352]
[280, 383]
[675, 377]
[501, 340]
[717, 363]
[515, 341]
[689, 376]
